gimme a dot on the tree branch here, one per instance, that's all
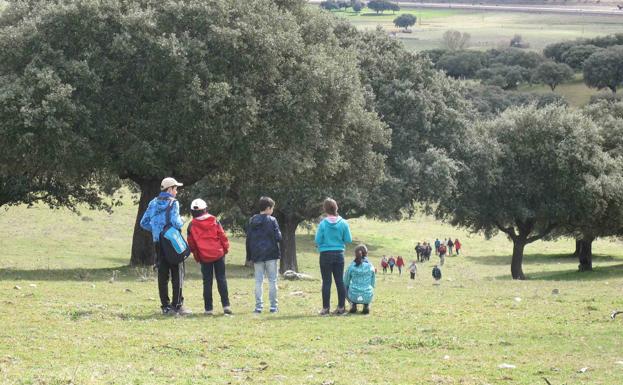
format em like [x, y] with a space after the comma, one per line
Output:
[543, 233]
[508, 230]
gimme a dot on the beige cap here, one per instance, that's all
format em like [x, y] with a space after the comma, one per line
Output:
[169, 182]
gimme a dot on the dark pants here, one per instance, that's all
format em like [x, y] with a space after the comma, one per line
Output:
[332, 263]
[176, 273]
[412, 275]
[214, 269]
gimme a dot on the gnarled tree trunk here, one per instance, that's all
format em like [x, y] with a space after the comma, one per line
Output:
[142, 243]
[584, 252]
[288, 227]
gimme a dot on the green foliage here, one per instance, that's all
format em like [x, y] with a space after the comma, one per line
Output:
[329, 5]
[490, 101]
[405, 20]
[557, 51]
[525, 173]
[508, 77]
[380, 6]
[514, 57]
[357, 5]
[605, 69]
[577, 55]
[552, 74]
[462, 64]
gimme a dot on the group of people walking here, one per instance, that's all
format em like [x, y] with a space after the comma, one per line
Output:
[392, 262]
[423, 249]
[209, 246]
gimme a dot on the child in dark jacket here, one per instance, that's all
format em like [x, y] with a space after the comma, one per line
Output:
[263, 237]
[209, 245]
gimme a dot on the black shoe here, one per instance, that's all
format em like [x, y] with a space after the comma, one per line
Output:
[353, 309]
[168, 310]
[339, 311]
[366, 309]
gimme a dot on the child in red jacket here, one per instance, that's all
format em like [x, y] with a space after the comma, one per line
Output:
[209, 245]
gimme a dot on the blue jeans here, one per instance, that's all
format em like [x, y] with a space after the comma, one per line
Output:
[268, 268]
[332, 264]
[209, 270]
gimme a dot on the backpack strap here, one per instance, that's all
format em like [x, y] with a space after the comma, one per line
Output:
[168, 213]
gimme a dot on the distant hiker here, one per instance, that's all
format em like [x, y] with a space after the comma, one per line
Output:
[436, 273]
[331, 237]
[155, 219]
[442, 254]
[418, 251]
[437, 244]
[263, 237]
[384, 264]
[359, 280]
[209, 245]
[391, 262]
[400, 263]
[413, 269]
[427, 251]
[457, 246]
[450, 246]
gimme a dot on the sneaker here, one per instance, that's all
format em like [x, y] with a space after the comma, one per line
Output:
[274, 310]
[366, 309]
[227, 310]
[208, 312]
[167, 310]
[353, 309]
[339, 311]
[324, 311]
[183, 311]
[257, 311]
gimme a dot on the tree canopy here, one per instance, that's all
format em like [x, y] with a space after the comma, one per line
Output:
[604, 68]
[405, 21]
[525, 173]
[552, 74]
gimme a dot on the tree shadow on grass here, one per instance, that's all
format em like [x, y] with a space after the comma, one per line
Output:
[536, 259]
[599, 273]
[120, 273]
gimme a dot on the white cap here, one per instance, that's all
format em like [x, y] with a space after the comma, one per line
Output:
[198, 204]
[169, 182]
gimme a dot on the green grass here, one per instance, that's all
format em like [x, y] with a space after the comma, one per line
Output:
[67, 324]
[490, 29]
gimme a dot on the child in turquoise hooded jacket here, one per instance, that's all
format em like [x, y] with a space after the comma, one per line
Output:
[360, 280]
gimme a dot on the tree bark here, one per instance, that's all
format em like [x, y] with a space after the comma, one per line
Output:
[288, 244]
[143, 252]
[516, 263]
[585, 254]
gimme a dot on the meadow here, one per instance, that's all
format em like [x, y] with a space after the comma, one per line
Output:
[488, 29]
[66, 321]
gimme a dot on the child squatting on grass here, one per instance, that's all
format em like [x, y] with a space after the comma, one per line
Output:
[359, 280]
[209, 245]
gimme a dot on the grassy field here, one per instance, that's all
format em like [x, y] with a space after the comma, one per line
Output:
[489, 29]
[64, 322]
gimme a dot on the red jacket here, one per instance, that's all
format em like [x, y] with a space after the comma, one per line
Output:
[400, 262]
[206, 239]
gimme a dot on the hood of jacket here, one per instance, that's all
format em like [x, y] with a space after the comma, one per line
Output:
[333, 221]
[259, 221]
[205, 222]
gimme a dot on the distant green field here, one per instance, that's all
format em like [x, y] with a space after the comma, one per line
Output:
[64, 322]
[490, 29]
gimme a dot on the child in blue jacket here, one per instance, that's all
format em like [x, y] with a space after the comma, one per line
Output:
[359, 280]
[331, 238]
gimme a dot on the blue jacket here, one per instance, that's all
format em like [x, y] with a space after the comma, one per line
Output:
[360, 282]
[154, 218]
[333, 234]
[263, 237]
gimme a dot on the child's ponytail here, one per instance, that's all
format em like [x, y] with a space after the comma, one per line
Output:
[361, 251]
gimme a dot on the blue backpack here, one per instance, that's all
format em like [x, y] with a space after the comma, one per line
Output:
[173, 246]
